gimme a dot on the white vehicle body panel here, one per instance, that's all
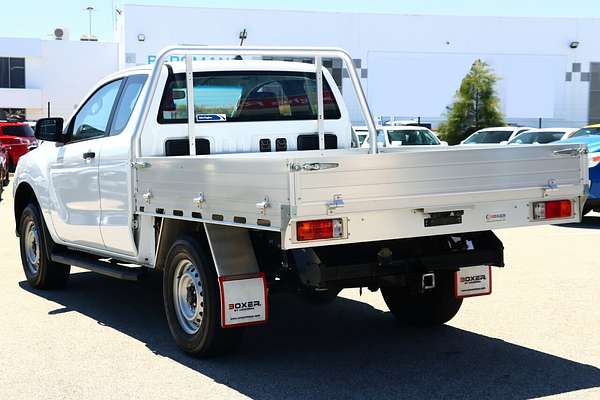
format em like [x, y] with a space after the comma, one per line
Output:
[75, 193]
[385, 196]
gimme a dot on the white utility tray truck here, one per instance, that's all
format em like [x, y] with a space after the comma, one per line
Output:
[261, 188]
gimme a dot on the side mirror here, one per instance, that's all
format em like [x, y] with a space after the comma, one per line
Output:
[50, 129]
[443, 143]
[504, 142]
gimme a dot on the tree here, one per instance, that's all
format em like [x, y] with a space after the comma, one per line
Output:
[475, 106]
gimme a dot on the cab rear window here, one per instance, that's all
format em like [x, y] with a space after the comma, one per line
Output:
[241, 96]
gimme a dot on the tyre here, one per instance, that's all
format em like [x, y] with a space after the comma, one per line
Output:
[431, 308]
[192, 301]
[40, 270]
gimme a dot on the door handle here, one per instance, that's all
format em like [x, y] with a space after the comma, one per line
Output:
[89, 155]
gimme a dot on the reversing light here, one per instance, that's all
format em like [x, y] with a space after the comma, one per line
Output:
[552, 209]
[319, 229]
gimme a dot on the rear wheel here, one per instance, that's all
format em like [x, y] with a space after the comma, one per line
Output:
[192, 301]
[40, 270]
[433, 307]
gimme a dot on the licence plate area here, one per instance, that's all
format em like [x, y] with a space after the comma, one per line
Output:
[473, 281]
[243, 300]
[443, 218]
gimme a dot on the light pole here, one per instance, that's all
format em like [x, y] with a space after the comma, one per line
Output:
[90, 9]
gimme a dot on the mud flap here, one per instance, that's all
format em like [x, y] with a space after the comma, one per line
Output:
[473, 281]
[243, 300]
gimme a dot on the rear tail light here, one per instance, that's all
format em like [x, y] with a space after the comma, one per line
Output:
[319, 229]
[593, 159]
[552, 209]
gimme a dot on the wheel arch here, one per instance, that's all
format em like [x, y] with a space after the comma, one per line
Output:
[24, 194]
[230, 248]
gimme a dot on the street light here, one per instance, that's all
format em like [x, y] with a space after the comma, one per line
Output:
[90, 9]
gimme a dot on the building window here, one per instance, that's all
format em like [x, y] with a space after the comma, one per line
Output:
[12, 72]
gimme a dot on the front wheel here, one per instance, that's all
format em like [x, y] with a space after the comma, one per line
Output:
[433, 307]
[40, 270]
[192, 301]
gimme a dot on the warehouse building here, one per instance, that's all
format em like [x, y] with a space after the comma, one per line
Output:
[410, 65]
[37, 74]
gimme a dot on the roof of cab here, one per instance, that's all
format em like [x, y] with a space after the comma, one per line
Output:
[225, 65]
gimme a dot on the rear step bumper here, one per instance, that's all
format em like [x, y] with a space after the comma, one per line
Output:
[373, 263]
[90, 263]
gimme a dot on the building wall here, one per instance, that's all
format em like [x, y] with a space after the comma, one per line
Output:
[59, 72]
[411, 65]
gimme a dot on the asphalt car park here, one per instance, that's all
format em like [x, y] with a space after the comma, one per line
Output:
[536, 336]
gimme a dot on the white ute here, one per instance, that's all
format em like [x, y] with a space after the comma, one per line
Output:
[259, 190]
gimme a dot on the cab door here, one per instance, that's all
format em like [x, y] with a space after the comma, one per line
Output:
[74, 185]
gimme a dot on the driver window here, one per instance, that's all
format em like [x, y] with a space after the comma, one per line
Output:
[92, 120]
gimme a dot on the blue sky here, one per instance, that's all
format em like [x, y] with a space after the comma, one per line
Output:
[38, 18]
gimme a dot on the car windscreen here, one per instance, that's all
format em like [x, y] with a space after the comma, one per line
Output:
[362, 136]
[488, 137]
[17, 130]
[412, 137]
[537, 137]
[240, 96]
[586, 132]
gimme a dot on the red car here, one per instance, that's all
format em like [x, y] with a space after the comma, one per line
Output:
[17, 137]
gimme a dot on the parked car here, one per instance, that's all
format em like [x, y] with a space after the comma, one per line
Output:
[541, 136]
[3, 168]
[590, 136]
[496, 135]
[582, 131]
[396, 136]
[19, 137]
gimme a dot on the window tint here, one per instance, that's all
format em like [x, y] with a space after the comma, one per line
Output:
[92, 119]
[412, 137]
[17, 72]
[129, 96]
[537, 137]
[234, 96]
[18, 130]
[489, 137]
[4, 76]
[12, 72]
[586, 132]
